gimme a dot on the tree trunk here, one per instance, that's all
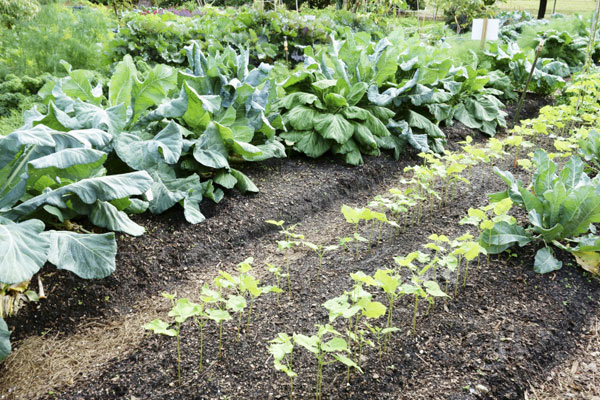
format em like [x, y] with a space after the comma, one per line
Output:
[542, 9]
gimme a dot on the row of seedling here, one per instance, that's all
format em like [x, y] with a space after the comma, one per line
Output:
[359, 312]
[228, 294]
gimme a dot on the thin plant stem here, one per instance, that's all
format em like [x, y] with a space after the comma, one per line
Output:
[220, 338]
[457, 283]
[287, 266]
[414, 322]
[178, 355]
[249, 314]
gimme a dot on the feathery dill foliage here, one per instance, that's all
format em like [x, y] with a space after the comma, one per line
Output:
[57, 32]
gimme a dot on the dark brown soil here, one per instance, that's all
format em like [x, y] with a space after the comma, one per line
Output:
[503, 331]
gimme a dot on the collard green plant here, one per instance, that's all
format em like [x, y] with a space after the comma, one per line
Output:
[561, 208]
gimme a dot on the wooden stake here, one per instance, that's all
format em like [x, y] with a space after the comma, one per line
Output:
[484, 33]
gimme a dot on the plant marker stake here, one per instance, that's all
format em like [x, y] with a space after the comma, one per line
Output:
[537, 55]
[484, 33]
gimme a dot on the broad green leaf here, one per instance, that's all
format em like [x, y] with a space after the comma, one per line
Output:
[184, 309]
[334, 344]
[335, 100]
[386, 281]
[200, 107]
[374, 309]
[160, 327]
[433, 289]
[324, 84]
[78, 85]
[334, 126]
[236, 303]
[210, 150]
[357, 92]
[5, 347]
[106, 215]
[354, 112]
[225, 179]
[168, 191]
[581, 208]
[502, 236]
[294, 99]
[418, 121]
[105, 188]
[300, 117]
[111, 120]
[73, 164]
[244, 184]
[346, 361]
[58, 120]
[89, 256]
[310, 143]
[545, 261]
[121, 82]
[23, 249]
[218, 315]
[310, 343]
[363, 135]
[153, 89]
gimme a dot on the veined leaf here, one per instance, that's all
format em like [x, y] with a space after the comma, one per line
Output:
[545, 261]
[23, 249]
[89, 256]
[121, 82]
[105, 188]
[5, 347]
[153, 89]
[142, 154]
[334, 126]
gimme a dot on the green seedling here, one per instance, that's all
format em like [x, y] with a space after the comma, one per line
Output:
[354, 216]
[389, 282]
[419, 287]
[343, 242]
[436, 246]
[181, 311]
[282, 350]
[275, 270]
[200, 320]
[322, 348]
[379, 333]
[251, 285]
[449, 262]
[499, 213]
[219, 316]
[320, 251]
[160, 327]
[237, 304]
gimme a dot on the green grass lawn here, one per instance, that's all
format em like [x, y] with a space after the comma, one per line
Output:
[562, 6]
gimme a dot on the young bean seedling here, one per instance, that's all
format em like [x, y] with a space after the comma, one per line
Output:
[282, 350]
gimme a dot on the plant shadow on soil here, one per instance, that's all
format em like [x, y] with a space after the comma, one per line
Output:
[502, 332]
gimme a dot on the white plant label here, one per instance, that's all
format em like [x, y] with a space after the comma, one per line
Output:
[491, 31]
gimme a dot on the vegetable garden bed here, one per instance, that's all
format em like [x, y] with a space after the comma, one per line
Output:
[502, 333]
